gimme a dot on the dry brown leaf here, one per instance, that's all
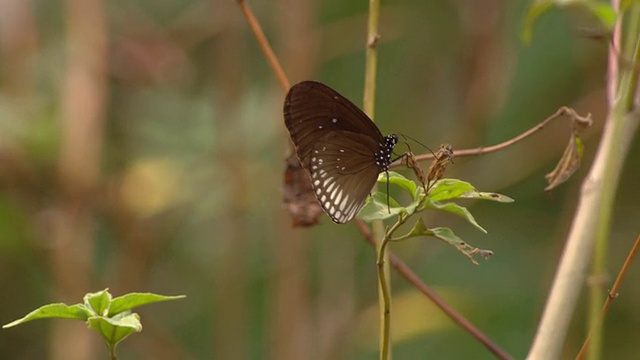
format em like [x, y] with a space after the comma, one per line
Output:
[572, 156]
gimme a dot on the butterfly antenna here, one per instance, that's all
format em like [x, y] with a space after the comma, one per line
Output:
[410, 138]
[408, 146]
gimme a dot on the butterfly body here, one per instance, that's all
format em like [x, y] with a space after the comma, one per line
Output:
[338, 145]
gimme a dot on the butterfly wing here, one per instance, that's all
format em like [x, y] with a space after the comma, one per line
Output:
[312, 110]
[342, 173]
[340, 147]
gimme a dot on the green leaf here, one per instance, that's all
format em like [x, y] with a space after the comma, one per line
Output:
[59, 310]
[487, 196]
[132, 300]
[455, 209]
[603, 12]
[113, 328]
[537, 9]
[397, 179]
[376, 208]
[419, 229]
[117, 328]
[447, 189]
[98, 301]
[447, 235]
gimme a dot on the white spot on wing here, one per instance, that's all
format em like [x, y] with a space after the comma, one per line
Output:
[338, 198]
[334, 193]
[330, 187]
[344, 202]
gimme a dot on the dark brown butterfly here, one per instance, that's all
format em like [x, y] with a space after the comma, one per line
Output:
[338, 145]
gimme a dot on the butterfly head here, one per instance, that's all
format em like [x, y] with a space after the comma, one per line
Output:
[383, 156]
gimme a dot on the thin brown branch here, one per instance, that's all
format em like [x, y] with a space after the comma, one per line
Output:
[414, 280]
[264, 44]
[613, 294]
[563, 111]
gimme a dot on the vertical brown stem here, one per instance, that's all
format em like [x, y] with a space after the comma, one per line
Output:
[81, 125]
[18, 46]
[231, 267]
[290, 322]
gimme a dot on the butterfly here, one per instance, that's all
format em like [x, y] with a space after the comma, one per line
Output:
[338, 145]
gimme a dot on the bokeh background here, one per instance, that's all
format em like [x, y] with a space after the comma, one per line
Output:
[142, 148]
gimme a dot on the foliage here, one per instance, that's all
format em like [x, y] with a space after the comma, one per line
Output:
[380, 206]
[110, 317]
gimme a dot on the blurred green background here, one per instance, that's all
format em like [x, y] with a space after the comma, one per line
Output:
[142, 148]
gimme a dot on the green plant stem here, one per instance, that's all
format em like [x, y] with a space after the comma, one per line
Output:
[613, 293]
[384, 292]
[632, 24]
[385, 295]
[112, 352]
[592, 218]
[385, 302]
[597, 285]
[630, 82]
[598, 279]
[371, 63]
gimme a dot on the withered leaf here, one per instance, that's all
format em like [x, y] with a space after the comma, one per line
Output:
[568, 164]
[298, 196]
